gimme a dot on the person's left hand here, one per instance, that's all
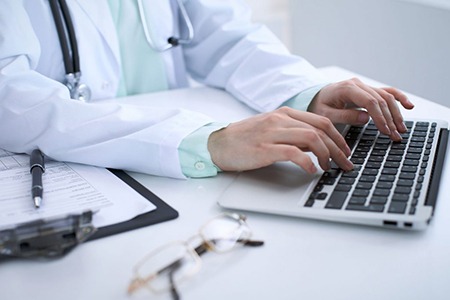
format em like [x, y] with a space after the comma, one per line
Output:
[339, 102]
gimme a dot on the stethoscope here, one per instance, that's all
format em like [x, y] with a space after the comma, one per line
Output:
[67, 37]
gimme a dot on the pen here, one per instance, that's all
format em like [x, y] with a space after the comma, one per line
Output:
[37, 168]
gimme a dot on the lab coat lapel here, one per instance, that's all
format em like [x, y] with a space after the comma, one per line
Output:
[98, 12]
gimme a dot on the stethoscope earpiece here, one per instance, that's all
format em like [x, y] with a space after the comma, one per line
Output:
[173, 41]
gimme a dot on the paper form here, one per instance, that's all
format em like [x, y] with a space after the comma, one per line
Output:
[68, 188]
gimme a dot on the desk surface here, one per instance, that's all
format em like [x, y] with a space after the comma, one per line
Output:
[302, 259]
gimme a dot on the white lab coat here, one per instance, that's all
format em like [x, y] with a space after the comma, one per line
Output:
[227, 52]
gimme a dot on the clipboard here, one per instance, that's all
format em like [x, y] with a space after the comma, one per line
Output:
[50, 237]
[162, 213]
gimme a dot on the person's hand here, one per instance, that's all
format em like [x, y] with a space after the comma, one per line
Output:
[282, 135]
[338, 102]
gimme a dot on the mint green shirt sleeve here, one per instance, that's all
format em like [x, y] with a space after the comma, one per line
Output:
[193, 151]
[303, 99]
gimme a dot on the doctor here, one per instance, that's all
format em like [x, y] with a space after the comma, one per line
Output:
[124, 50]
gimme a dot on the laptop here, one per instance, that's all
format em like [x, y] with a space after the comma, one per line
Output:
[393, 184]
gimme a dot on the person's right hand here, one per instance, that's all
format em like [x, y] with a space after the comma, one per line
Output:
[282, 135]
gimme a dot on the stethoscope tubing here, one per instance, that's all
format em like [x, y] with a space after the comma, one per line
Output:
[71, 60]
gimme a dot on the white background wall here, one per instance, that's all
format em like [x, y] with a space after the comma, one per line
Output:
[404, 43]
[275, 14]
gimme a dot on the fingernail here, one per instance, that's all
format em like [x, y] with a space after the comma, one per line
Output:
[350, 165]
[397, 135]
[388, 131]
[348, 151]
[312, 169]
[404, 127]
[363, 117]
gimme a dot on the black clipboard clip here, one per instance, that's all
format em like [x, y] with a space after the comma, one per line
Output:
[46, 238]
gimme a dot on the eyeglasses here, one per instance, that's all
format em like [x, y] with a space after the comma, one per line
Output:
[166, 267]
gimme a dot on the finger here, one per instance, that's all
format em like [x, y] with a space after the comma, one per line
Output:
[385, 104]
[318, 143]
[395, 110]
[400, 97]
[307, 140]
[325, 125]
[354, 93]
[352, 116]
[283, 152]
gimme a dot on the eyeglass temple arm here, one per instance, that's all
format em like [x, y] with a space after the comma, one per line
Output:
[251, 243]
[173, 287]
[137, 282]
[203, 248]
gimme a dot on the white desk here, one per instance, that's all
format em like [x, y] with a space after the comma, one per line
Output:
[302, 259]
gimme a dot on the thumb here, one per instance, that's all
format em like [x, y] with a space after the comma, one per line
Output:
[349, 116]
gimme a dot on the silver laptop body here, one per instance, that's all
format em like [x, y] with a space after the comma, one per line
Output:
[361, 196]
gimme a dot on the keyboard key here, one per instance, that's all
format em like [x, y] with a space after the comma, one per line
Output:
[403, 190]
[336, 200]
[409, 169]
[327, 180]
[357, 200]
[343, 187]
[360, 193]
[364, 185]
[397, 158]
[367, 178]
[346, 180]
[357, 160]
[359, 154]
[416, 145]
[381, 192]
[387, 178]
[389, 171]
[410, 162]
[321, 196]
[378, 152]
[392, 164]
[417, 139]
[373, 165]
[397, 208]
[404, 175]
[414, 150]
[400, 197]
[405, 182]
[372, 172]
[378, 200]
[374, 158]
[368, 208]
[352, 174]
[384, 185]
[309, 203]
[412, 156]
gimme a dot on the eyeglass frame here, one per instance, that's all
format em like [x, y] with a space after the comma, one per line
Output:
[137, 282]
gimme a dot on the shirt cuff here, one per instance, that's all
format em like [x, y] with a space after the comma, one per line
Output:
[195, 159]
[303, 99]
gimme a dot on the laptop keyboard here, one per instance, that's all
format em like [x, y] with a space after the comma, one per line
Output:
[388, 177]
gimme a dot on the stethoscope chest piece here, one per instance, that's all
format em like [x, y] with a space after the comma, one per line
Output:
[78, 91]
